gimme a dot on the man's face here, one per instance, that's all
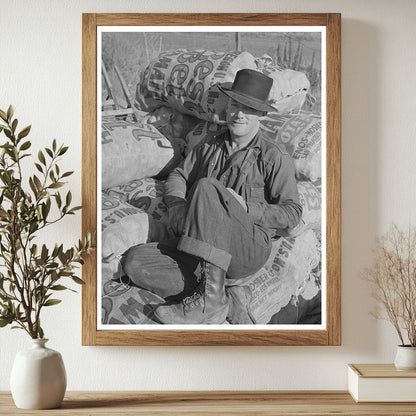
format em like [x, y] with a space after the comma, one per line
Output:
[244, 120]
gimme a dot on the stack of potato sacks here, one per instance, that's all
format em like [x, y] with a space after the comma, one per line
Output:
[177, 96]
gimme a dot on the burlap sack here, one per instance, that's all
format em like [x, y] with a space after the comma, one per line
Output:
[310, 199]
[312, 285]
[301, 135]
[185, 80]
[255, 299]
[289, 88]
[123, 304]
[132, 150]
[145, 194]
[124, 225]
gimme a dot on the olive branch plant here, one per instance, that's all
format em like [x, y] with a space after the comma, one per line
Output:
[393, 277]
[30, 273]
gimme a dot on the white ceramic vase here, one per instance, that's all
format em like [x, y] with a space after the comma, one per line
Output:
[405, 358]
[38, 377]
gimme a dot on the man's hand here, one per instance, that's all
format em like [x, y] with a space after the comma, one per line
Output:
[176, 216]
[239, 198]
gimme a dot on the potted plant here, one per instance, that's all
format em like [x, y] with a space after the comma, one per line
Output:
[31, 273]
[393, 277]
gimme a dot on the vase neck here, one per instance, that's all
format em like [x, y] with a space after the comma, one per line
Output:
[38, 343]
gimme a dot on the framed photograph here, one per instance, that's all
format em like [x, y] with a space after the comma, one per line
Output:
[211, 172]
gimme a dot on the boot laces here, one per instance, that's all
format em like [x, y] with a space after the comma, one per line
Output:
[191, 302]
[202, 278]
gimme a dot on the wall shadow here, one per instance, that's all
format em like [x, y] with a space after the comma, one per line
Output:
[360, 179]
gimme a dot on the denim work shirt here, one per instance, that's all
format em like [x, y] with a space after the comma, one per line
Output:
[262, 173]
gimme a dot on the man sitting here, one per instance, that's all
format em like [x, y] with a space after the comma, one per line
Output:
[227, 200]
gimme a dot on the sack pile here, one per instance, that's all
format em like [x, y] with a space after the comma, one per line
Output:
[180, 88]
[177, 95]
[259, 298]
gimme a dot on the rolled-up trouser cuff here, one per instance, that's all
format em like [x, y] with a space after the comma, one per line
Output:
[209, 253]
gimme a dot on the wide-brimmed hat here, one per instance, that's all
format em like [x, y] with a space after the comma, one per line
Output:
[250, 88]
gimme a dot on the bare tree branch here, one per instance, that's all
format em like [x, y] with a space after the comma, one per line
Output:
[393, 277]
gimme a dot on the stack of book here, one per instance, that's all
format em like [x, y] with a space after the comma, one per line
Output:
[381, 383]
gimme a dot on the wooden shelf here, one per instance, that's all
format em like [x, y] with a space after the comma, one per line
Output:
[318, 403]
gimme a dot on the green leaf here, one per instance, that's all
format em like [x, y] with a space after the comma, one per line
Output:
[5, 321]
[67, 174]
[37, 183]
[51, 302]
[14, 125]
[54, 145]
[58, 199]
[25, 145]
[45, 210]
[56, 185]
[24, 132]
[3, 115]
[78, 280]
[44, 253]
[63, 150]
[41, 158]
[62, 257]
[59, 287]
[10, 112]
[33, 187]
[34, 226]
[60, 249]
[68, 199]
[49, 152]
[8, 133]
[77, 208]
[40, 332]
[39, 167]
[55, 251]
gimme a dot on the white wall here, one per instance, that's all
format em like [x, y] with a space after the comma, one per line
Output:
[40, 73]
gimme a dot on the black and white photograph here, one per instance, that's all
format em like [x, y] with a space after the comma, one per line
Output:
[211, 177]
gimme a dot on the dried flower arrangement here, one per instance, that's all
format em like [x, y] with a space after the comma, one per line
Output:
[393, 277]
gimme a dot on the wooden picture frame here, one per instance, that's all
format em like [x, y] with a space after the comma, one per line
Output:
[331, 333]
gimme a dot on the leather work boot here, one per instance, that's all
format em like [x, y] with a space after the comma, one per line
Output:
[207, 305]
